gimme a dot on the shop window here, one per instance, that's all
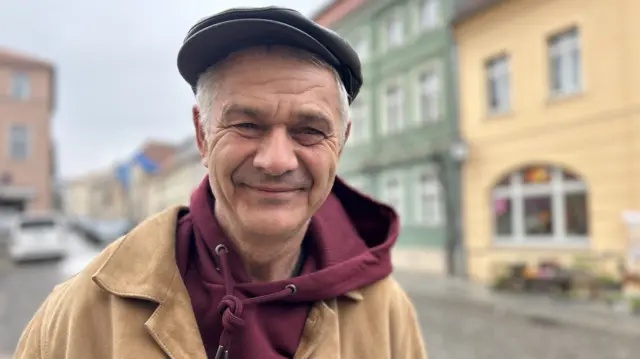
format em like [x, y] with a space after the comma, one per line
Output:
[537, 216]
[536, 174]
[576, 213]
[503, 214]
[540, 204]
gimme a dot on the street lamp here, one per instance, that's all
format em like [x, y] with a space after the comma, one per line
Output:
[458, 151]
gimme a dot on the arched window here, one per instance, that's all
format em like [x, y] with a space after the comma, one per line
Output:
[540, 204]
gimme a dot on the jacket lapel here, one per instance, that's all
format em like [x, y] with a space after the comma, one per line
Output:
[321, 337]
[173, 326]
[143, 267]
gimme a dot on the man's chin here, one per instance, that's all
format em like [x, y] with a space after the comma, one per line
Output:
[275, 223]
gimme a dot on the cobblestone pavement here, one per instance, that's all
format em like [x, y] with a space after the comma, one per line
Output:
[22, 290]
[453, 329]
[24, 287]
[457, 330]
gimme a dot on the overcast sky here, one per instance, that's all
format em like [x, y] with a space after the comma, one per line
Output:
[116, 65]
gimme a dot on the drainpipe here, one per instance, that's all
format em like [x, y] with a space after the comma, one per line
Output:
[459, 154]
[449, 212]
[448, 163]
[448, 167]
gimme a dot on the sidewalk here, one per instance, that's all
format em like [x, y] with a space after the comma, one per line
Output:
[580, 314]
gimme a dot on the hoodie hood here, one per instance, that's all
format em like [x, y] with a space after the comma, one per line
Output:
[347, 247]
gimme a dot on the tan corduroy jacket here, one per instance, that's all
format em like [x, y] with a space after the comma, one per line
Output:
[130, 302]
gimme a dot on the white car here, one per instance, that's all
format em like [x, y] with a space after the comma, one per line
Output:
[7, 218]
[38, 237]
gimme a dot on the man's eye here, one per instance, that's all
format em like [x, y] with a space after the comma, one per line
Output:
[246, 125]
[311, 131]
[248, 129]
[308, 136]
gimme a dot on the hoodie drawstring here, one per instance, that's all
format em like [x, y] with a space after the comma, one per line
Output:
[231, 307]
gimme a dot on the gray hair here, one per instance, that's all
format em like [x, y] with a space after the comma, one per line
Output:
[208, 84]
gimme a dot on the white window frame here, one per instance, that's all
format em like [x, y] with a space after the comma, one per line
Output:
[395, 28]
[360, 118]
[360, 182]
[20, 85]
[429, 14]
[497, 75]
[389, 196]
[557, 188]
[564, 46]
[11, 142]
[361, 43]
[430, 188]
[385, 127]
[433, 89]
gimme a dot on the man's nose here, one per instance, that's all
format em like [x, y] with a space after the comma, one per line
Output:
[276, 154]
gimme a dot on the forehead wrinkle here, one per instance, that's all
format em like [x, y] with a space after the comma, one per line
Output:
[280, 84]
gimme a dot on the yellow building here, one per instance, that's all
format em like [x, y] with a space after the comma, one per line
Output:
[550, 109]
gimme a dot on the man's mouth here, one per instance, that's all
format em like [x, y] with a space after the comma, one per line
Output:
[274, 189]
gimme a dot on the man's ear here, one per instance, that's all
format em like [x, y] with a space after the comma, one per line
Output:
[201, 140]
[347, 132]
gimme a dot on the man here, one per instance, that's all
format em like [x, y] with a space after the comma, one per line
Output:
[275, 257]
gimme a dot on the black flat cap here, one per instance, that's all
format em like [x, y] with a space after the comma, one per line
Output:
[213, 38]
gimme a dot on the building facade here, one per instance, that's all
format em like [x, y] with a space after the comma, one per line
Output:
[26, 107]
[550, 109]
[136, 175]
[119, 191]
[97, 195]
[404, 119]
[176, 179]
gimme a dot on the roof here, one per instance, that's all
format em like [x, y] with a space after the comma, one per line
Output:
[468, 8]
[335, 10]
[185, 151]
[157, 151]
[9, 57]
[87, 178]
[324, 9]
[149, 157]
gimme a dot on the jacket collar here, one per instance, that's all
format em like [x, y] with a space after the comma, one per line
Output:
[143, 265]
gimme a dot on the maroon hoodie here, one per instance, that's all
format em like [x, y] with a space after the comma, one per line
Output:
[347, 246]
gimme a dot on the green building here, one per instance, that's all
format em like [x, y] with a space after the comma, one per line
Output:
[404, 148]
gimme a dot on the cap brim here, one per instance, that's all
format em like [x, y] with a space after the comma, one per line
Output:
[214, 43]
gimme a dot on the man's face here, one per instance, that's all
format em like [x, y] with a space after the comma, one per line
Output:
[273, 142]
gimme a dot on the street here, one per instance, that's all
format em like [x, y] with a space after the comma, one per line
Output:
[452, 329]
[23, 288]
[455, 331]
